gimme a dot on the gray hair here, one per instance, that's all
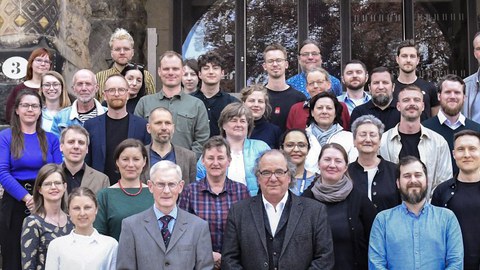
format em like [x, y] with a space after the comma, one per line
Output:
[367, 119]
[165, 165]
[292, 169]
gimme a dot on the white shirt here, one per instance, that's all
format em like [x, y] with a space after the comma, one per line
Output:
[236, 170]
[273, 213]
[79, 252]
[370, 175]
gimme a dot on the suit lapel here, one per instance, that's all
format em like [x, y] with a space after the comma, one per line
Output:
[87, 178]
[256, 207]
[179, 229]
[151, 225]
[131, 126]
[296, 211]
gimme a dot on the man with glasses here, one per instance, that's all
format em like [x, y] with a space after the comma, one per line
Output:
[116, 125]
[309, 56]
[121, 49]
[282, 96]
[84, 86]
[165, 236]
[277, 229]
[211, 197]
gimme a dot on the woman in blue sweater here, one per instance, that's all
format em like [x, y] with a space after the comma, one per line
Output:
[24, 149]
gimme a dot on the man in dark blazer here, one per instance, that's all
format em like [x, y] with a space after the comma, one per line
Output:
[116, 125]
[74, 142]
[165, 236]
[161, 128]
[276, 229]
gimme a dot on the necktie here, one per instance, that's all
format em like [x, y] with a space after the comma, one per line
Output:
[165, 232]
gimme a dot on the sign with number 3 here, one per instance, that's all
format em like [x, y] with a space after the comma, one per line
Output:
[15, 67]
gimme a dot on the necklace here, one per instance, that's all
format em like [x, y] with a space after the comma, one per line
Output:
[128, 193]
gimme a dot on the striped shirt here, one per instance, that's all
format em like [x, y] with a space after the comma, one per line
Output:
[104, 74]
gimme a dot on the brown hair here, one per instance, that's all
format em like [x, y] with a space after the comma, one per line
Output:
[64, 99]
[44, 173]
[334, 146]
[235, 109]
[247, 91]
[131, 143]
[217, 142]
[82, 191]
[275, 47]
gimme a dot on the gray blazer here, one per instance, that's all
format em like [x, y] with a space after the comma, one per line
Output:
[141, 244]
[307, 243]
[186, 159]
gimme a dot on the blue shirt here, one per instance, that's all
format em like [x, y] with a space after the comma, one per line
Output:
[155, 157]
[299, 82]
[173, 214]
[350, 103]
[401, 240]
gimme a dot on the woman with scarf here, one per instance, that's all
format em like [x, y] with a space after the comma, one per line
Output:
[350, 213]
[325, 126]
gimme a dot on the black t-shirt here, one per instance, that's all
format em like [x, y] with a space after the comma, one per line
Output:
[430, 98]
[281, 102]
[409, 144]
[466, 206]
[116, 130]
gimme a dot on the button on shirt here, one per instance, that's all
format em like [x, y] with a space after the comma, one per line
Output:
[159, 214]
[401, 240]
[353, 103]
[274, 213]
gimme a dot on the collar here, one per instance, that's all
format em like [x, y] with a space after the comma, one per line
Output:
[161, 94]
[280, 204]
[395, 133]
[345, 97]
[425, 208]
[205, 186]
[160, 214]
[64, 166]
[93, 238]
[443, 119]
[98, 106]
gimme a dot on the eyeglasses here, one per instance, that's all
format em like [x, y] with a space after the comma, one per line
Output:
[112, 91]
[125, 49]
[307, 54]
[277, 173]
[316, 82]
[52, 184]
[48, 85]
[41, 61]
[27, 106]
[161, 185]
[278, 61]
[81, 84]
[291, 146]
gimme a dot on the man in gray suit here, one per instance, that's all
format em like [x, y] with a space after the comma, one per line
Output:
[165, 236]
[74, 141]
[276, 229]
[161, 128]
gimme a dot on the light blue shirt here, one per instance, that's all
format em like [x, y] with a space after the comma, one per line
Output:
[159, 214]
[401, 240]
[351, 103]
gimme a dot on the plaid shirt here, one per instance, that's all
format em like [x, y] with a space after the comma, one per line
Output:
[198, 199]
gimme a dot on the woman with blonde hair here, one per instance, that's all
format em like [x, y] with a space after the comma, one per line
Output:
[55, 97]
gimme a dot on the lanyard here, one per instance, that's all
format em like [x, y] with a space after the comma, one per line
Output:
[304, 180]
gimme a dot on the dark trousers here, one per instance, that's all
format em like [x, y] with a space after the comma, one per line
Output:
[12, 213]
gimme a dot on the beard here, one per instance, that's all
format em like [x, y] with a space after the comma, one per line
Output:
[451, 111]
[413, 197]
[354, 87]
[381, 100]
[116, 104]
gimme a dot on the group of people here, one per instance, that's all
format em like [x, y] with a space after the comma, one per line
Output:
[294, 174]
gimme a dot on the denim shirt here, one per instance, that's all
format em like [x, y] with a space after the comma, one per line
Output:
[402, 240]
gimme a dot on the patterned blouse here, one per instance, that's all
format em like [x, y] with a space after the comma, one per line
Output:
[36, 236]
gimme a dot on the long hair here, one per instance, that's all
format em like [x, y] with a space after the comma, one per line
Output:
[64, 99]
[18, 144]
[44, 173]
[36, 53]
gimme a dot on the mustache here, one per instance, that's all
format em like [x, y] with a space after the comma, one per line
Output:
[411, 185]
[412, 107]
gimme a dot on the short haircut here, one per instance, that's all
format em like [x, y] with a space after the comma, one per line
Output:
[163, 166]
[131, 143]
[160, 109]
[381, 70]
[409, 160]
[466, 132]
[169, 54]
[217, 142]
[64, 99]
[367, 119]
[82, 192]
[318, 69]
[275, 47]
[247, 91]
[92, 76]
[235, 109]
[407, 43]
[285, 134]
[410, 87]
[292, 169]
[113, 76]
[211, 57]
[336, 103]
[75, 128]
[309, 41]
[191, 63]
[336, 146]
[474, 37]
[356, 61]
[120, 34]
[451, 78]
